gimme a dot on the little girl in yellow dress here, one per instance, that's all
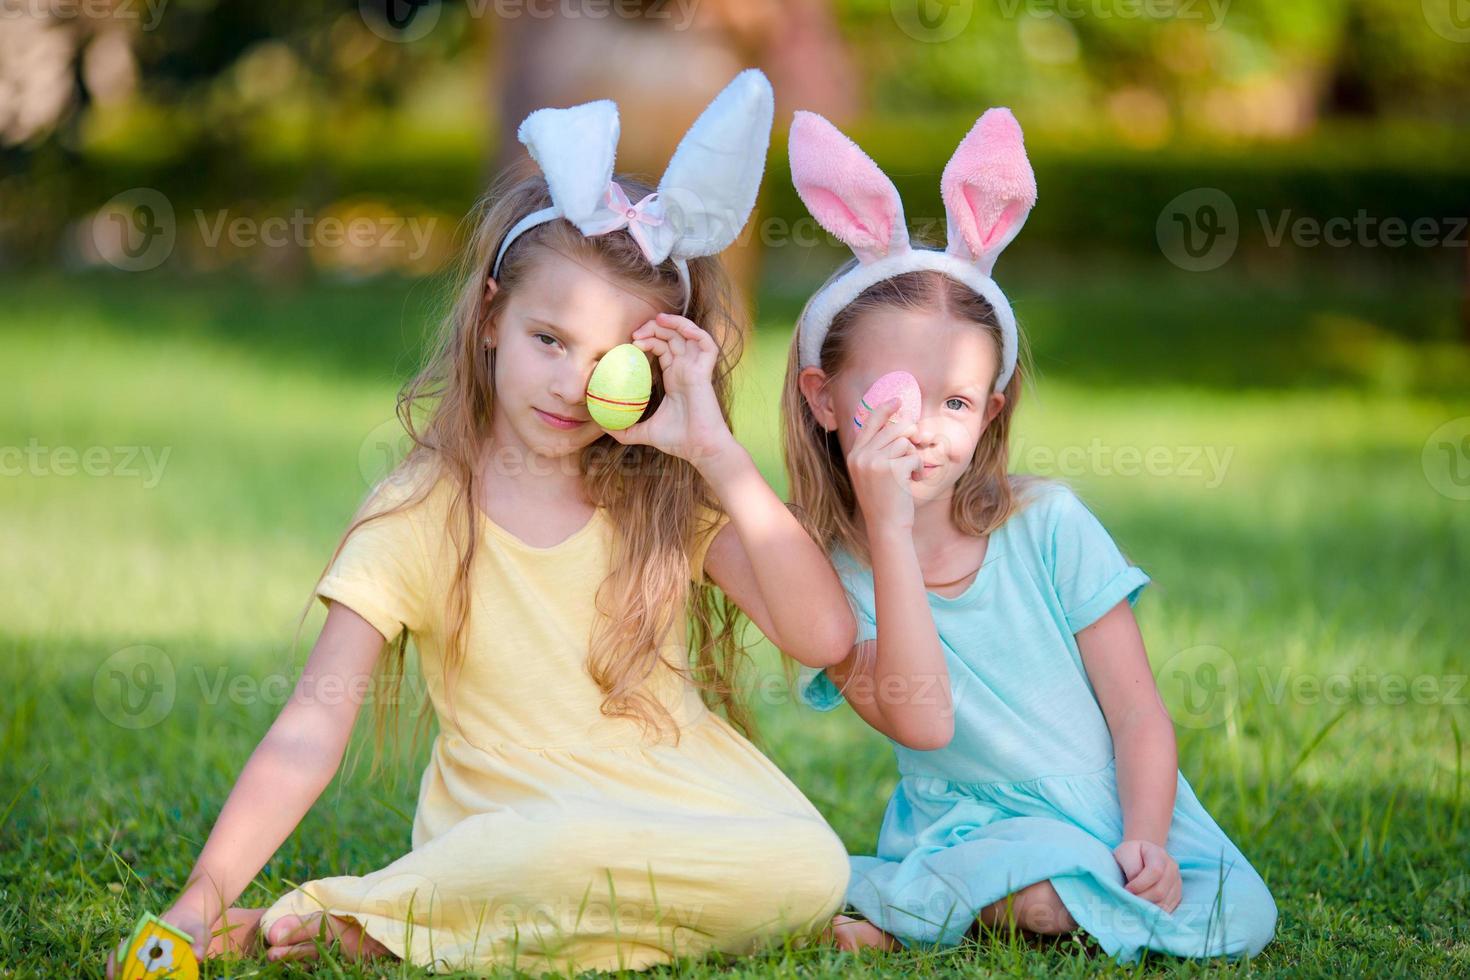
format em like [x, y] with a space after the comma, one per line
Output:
[589, 802]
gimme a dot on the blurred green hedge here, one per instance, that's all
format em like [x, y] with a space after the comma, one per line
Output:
[1093, 196]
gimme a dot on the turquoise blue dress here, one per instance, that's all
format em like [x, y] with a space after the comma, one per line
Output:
[1027, 790]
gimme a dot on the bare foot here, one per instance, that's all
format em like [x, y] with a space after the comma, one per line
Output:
[292, 937]
[1036, 908]
[851, 935]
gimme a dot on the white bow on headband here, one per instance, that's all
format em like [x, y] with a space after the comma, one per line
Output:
[704, 198]
[988, 189]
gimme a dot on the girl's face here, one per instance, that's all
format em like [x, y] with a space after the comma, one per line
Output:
[954, 362]
[553, 330]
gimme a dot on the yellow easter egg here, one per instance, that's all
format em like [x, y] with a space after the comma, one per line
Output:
[620, 386]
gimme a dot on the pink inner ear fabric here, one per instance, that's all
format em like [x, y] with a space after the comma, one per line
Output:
[832, 212]
[842, 188]
[988, 185]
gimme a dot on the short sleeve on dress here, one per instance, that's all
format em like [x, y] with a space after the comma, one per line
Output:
[380, 573]
[1088, 570]
[710, 523]
[814, 687]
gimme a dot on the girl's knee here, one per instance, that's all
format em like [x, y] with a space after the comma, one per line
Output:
[822, 881]
[810, 870]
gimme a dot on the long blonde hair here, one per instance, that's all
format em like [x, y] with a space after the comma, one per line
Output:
[986, 494]
[654, 500]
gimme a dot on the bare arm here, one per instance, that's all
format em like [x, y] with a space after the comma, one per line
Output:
[789, 590]
[899, 684]
[1143, 735]
[1143, 744]
[774, 571]
[285, 774]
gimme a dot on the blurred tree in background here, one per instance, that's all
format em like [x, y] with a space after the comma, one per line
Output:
[1331, 105]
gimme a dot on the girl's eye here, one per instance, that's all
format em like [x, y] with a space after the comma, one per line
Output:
[546, 337]
[956, 404]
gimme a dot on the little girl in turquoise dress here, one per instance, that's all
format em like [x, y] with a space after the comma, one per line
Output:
[1039, 783]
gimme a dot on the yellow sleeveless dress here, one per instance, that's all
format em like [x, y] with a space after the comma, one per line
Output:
[548, 836]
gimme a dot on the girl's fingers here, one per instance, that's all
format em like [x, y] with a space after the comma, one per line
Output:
[898, 449]
[880, 427]
[685, 326]
[299, 951]
[676, 321]
[1147, 878]
[631, 436]
[670, 335]
[893, 435]
[869, 429]
[705, 342]
[660, 351]
[290, 929]
[653, 345]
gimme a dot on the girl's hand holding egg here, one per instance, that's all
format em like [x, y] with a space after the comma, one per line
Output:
[882, 460]
[688, 422]
[894, 384]
[620, 386]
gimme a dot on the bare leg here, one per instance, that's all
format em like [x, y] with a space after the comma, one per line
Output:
[292, 937]
[1036, 908]
[850, 935]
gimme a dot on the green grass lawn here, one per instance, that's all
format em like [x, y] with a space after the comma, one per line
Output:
[1267, 453]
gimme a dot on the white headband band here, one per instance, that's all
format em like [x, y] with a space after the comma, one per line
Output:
[703, 199]
[988, 189]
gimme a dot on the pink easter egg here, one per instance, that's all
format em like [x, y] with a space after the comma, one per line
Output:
[894, 384]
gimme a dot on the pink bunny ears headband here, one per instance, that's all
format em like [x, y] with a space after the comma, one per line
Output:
[703, 200]
[988, 189]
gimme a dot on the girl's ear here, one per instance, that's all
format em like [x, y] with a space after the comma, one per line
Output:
[993, 405]
[491, 288]
[813, 384]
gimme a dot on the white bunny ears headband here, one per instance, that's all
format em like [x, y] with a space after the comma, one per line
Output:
[988, 188]
[703, 199]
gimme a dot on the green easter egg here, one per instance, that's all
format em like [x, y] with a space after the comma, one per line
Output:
[620, 386]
